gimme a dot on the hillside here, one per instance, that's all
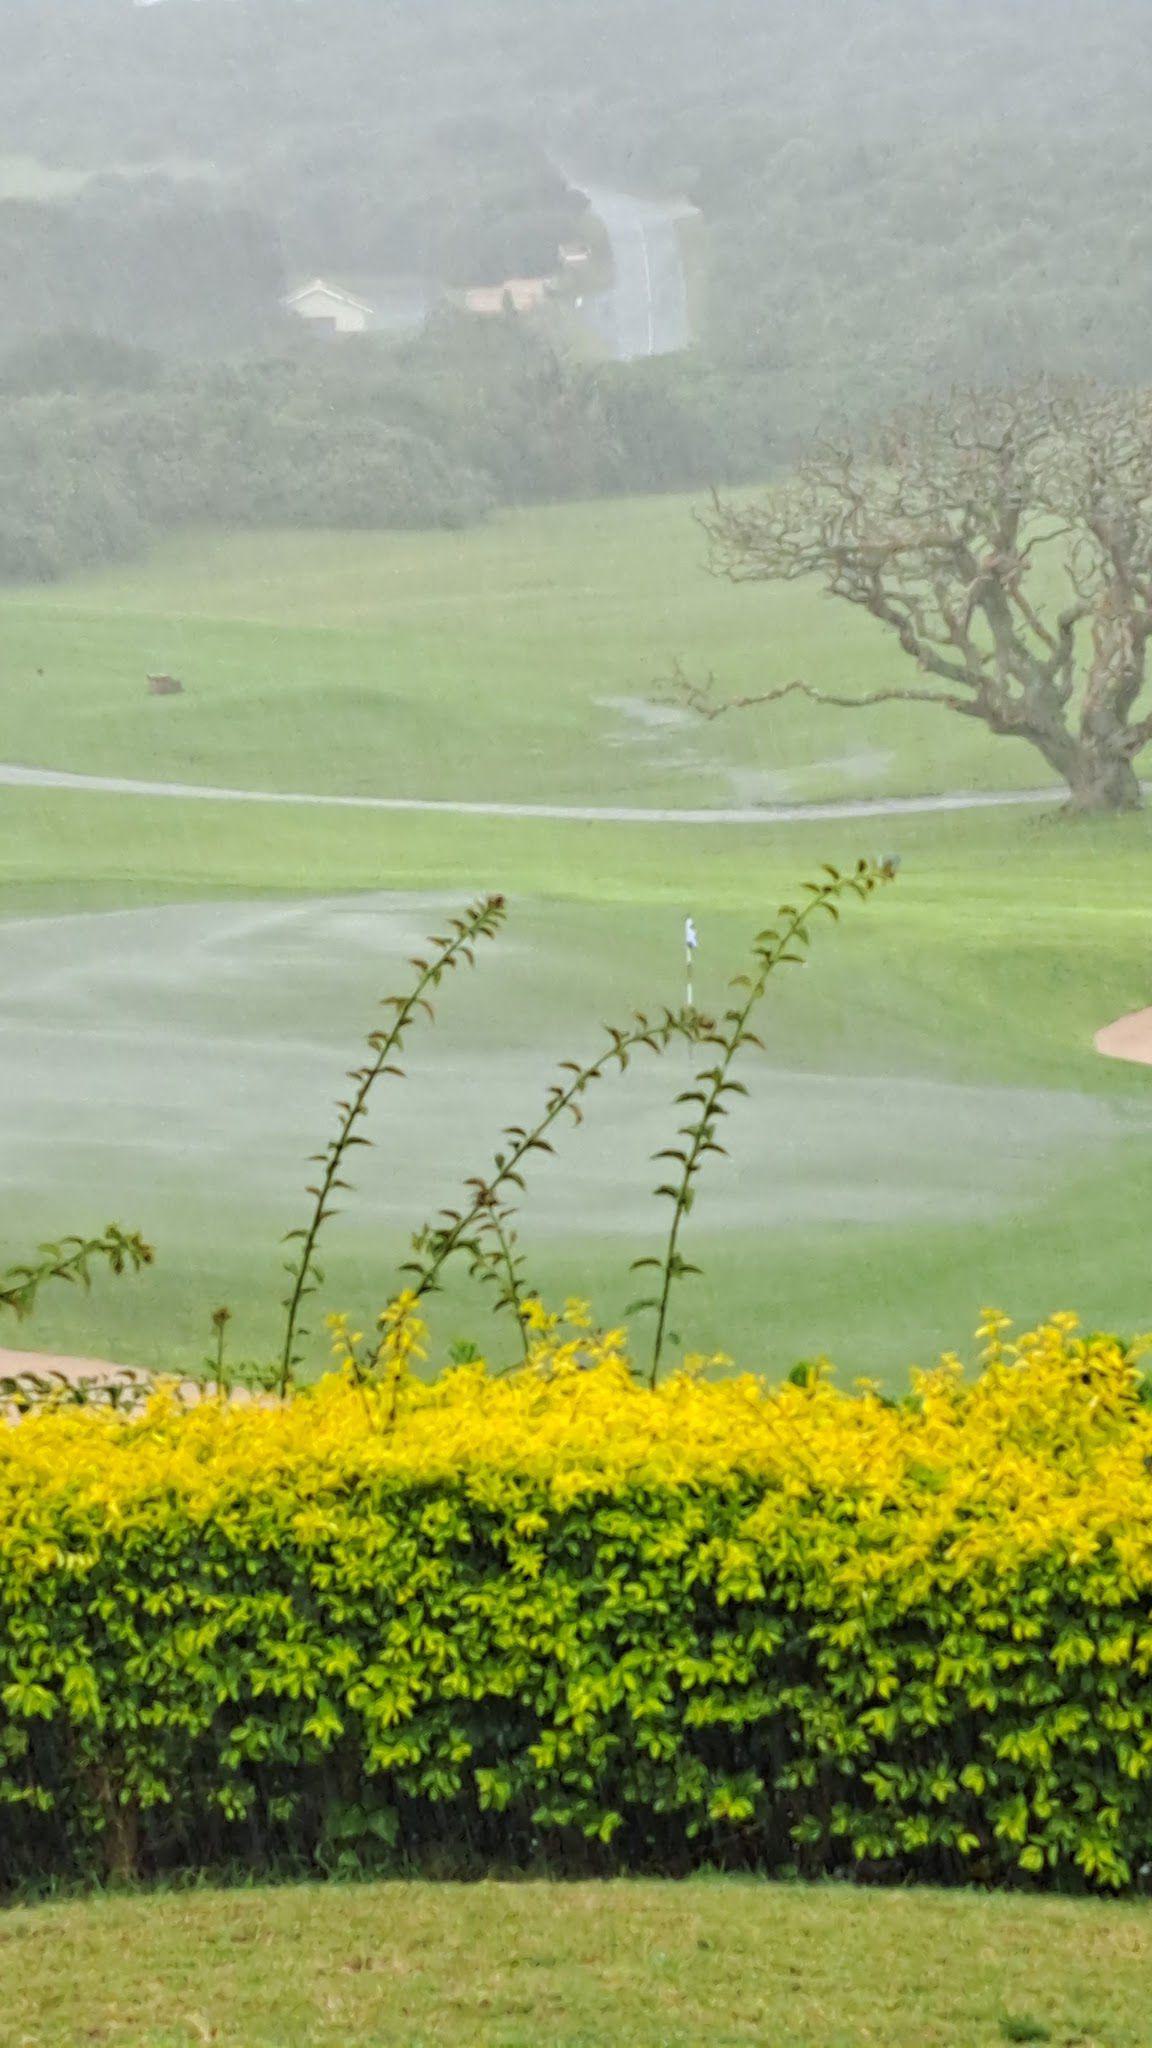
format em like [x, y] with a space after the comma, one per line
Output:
[892, 194]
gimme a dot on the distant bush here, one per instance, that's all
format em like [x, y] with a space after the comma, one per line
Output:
[59, 508]
[559, 1615]
[166, 263]
[100, 449]
[90, 478]
[75, 360]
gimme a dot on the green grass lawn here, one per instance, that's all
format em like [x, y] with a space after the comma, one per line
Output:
[619, 1965]
[515, 661]
[185, 982]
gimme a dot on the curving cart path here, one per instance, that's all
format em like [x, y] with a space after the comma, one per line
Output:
[14, 777]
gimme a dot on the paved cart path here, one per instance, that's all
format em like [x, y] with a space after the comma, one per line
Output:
[14, 777]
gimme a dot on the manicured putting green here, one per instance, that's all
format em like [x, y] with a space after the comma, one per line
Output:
[928, 1127]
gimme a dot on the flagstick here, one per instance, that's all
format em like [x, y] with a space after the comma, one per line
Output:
[690, 944]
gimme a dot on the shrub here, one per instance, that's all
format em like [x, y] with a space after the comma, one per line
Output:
[558, 1613]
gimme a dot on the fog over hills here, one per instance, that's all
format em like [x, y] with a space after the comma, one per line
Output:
[877, 199]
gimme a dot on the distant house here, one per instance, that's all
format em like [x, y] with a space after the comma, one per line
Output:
[329, 307]
[522, 294]
[574, 255]
[372, 306]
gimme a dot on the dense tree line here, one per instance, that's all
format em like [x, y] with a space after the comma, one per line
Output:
[217, 154]
[165, 263]
[103, 445]
[200, 263]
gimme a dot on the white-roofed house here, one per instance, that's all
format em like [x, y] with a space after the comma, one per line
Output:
[387, 306]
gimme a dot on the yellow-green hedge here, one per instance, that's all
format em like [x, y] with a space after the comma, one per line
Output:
[557, 1616]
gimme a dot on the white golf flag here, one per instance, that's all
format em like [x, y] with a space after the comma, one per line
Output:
[690, 939]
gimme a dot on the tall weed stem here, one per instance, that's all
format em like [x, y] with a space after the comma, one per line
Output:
[481, 921]
[487, 1212]
[772, 949]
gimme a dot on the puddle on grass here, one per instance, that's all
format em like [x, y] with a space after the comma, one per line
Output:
[747, 786]
[648, 714]
[660, 729]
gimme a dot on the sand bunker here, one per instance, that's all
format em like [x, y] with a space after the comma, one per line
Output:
[1130, 1038]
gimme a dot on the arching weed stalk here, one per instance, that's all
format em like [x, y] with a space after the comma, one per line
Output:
[481, 1230]
[773, 948]
[481, 921]
[71, 1261]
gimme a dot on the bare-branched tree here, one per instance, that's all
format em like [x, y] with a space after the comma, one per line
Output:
[1005, 539]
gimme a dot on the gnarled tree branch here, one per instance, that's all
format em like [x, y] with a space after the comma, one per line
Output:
[678, 687]
[1004, 539]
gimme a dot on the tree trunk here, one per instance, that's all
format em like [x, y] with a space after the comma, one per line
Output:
[121, 1845]
[1103, 782]
[1095, 765]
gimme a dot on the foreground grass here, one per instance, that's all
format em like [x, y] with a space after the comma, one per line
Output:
[621, 1965]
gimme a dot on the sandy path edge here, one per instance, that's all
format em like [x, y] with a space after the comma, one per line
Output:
[1129, 1038]
[133, 1383]
[13, 1363]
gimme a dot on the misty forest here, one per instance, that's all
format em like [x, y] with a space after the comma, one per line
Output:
[892, 199]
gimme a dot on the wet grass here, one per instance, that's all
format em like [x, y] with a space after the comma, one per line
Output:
[929, 1127]
[618, 1965]
[511, 662]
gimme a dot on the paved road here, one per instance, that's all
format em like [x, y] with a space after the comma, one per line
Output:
[646, 311]
[608, 814]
